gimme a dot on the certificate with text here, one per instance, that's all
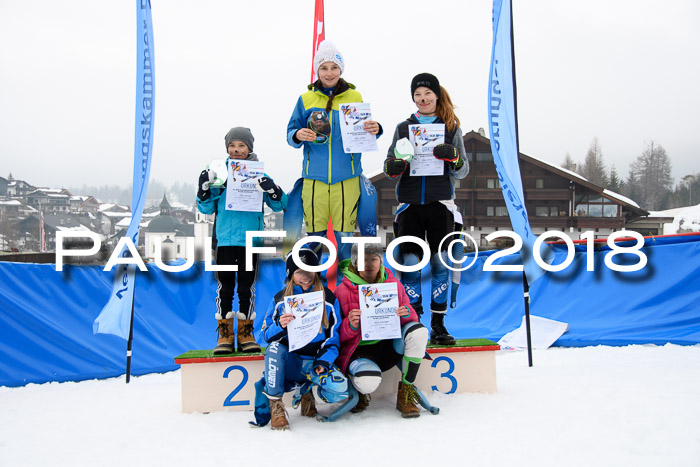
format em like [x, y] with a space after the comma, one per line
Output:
[242, 192]
[308, 309]
[355, 137]
[378, 305]
[424, 138]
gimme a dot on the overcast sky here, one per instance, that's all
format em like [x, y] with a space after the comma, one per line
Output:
[626, 72]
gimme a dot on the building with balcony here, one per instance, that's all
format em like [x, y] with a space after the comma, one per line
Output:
[555, 199]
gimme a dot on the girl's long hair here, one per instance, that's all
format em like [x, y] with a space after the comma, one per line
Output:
[317, 285]
[341, 86]
[446, 111]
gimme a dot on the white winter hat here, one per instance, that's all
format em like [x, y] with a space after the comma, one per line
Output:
[328, 52]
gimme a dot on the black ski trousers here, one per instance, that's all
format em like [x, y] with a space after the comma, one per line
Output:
[229, 255]
[429, 222]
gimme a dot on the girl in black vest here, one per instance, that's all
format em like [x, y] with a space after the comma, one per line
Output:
[426, 202]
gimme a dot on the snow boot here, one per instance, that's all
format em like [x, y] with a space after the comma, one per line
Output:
[225, 329]
[308, 405]
[438, 332]
[362, 404]
[278, 415]
[245, 340]
[406, 400]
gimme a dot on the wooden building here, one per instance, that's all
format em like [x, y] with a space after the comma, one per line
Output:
[555, 199]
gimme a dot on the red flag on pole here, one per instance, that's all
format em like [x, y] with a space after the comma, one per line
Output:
[319, 34]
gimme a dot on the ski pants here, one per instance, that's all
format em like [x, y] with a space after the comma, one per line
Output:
[230, 255]
[368, 362]
[431, 222]
[285, 370]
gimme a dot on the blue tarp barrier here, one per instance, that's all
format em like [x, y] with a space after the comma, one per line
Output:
[46, 316]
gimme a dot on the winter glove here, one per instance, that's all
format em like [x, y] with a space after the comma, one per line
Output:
[266, 185]
[446, 152]
[394, 167]
[205, 179]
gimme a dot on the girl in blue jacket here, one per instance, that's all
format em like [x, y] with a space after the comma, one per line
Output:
[331, 184]
[285, 369]
[230, 233]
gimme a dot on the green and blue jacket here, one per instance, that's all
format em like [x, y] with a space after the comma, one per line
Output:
[327, 162]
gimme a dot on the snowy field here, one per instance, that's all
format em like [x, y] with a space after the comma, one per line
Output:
[594, 406]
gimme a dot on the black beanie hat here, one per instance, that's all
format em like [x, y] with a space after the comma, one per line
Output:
[427, 80]
[307, 256]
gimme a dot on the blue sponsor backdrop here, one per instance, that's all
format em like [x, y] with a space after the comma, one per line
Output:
[46, 316]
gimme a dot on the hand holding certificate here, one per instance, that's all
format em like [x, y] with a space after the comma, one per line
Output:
[379, 304]
[356, 134]
[308, 309]
[425, 138]
[242, 193]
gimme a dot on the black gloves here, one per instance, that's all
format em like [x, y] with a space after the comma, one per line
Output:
[394, 167]
[446, 152]
[205, 179]
[267, 185]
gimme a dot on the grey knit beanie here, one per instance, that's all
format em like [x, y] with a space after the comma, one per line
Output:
[370, 249]
[240, 134]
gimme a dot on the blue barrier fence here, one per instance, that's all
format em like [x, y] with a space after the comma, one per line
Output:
[46, 316]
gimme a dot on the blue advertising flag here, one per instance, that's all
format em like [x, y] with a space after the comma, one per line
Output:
[116, 314]
[503, 128]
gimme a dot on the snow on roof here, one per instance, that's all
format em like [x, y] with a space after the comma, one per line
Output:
[607, 192]
[619, 197]
[109, 206]
[124, 222]
[573, 174]
[180, 206]
[116, 214]
[12, 202]
[685, 218]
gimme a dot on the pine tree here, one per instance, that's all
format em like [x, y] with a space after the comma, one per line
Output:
[614, 183]
[631, 187]
[593, 167]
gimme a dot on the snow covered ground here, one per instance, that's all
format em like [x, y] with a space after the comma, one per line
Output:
[602, 406]
[686, 218]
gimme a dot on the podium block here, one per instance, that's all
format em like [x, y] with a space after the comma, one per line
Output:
[212, 383]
